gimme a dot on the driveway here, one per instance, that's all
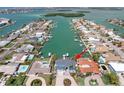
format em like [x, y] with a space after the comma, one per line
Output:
[63, 75]
[121, 79]
[31, 78]
[97, 77]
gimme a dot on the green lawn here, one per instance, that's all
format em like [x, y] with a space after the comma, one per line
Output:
[79, 80]
[16, 80]
[9, 45]
[106, 80]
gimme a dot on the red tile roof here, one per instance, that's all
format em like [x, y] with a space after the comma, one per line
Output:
[88, 66]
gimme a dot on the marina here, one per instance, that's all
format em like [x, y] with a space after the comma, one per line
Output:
[56, 49]
[63, 27]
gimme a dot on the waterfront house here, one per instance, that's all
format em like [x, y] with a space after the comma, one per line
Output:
[19, 58]
[4, 43]
[93, 38]
[39, 67]
[25, 48]
[101, 49]
[101, 60]
[65, 65]
[86, 66]
[9, 68]
[30, 57]
[40, 34]
[13, 36]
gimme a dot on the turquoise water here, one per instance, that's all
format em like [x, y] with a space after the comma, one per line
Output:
[63, 39]
[20, 20]
[63, 36]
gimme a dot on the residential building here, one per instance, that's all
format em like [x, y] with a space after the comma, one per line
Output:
[65, 65]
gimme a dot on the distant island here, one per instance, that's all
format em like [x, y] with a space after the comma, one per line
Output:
[65, 14]
[64, 10]
[83, 11]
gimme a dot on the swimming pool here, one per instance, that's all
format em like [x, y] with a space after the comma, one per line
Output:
[23, 68]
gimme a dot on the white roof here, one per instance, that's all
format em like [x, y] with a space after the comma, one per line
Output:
[24, 58]
[3, 43]
[118, 67]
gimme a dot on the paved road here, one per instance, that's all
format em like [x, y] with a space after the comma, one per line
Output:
[97, 77]
[31, 78]
[63, 75]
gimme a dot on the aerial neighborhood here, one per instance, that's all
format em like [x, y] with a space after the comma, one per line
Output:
[99, 63]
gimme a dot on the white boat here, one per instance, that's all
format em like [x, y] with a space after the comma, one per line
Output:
[81, 44]
[75, 39]
[67, 54]
[42, 57]
[63, 56]
[49, 54]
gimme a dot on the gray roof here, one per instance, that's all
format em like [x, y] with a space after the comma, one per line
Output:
[60, 63]
[38, 67]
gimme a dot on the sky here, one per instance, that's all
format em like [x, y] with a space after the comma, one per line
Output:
[61, 3]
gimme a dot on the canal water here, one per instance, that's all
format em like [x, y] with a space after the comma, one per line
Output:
[63, 39]
[63, 36]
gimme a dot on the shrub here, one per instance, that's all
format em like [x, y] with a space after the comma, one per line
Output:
[36, 82]
[67, 82]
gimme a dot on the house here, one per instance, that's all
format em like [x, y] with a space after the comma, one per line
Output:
[101, 60]
[25, 48]
[9, 68]
[4, 43]
[111, 57]
[30, 57]
[13, 36]
[116, 66]
[19, 58]
[93, 39]
[39, 67]
[101, 49]
[40, 34]
[65, 65]
[86, 66]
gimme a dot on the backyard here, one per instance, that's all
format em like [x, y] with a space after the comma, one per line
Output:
[110, 79]
[16, 80]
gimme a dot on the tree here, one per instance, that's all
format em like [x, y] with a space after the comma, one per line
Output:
[113, 78]
[96, 57]
[36, 82]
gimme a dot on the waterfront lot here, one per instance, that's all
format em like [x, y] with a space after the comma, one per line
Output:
[37, 52]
